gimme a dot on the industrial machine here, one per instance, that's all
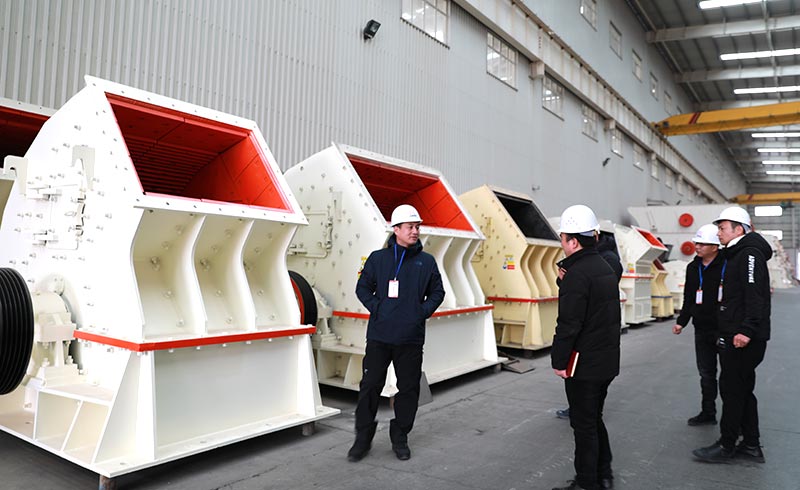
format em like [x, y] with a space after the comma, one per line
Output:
[147, 312]
[348, 195]
[638, 248]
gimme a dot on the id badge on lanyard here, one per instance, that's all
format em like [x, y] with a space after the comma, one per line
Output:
[698, 297]
[394, 284]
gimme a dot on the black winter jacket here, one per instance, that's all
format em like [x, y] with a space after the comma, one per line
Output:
[704, 316]
[400, 320]
[588, 317]
[745, 306]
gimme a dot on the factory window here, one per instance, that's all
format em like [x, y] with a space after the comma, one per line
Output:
[668, 103]
[589, 122]
[501, 60]
[654, 168]
[638, 157]
[681, 185]
[616, 141]
[615, 39]
[669, 178]
[637, 65]
[653, 86]
[429, 16]
[553, 97]
[589, 12]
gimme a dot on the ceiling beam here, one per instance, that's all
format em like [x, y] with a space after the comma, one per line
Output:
[724, 29]
[737, 74]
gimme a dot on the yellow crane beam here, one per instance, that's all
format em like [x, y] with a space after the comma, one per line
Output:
[730, 119]
[761, 199]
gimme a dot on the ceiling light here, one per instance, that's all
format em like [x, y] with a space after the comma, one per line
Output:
[768, 211]
[776, 135]
[749, 55]
[783, 172]
[781, 162]
[779, 150]
[766, 90]
[713, 4]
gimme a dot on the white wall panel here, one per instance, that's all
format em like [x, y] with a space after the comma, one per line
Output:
[301, 70]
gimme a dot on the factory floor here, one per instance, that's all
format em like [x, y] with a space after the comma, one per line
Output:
[489, 430]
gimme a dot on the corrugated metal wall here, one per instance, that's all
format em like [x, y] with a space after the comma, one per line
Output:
[301, 70]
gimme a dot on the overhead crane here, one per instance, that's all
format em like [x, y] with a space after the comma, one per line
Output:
[730, 119]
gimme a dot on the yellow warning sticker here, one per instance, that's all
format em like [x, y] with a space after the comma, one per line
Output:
[508, 263]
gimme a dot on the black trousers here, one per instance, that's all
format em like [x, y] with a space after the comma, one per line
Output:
[407, 360]
[592, 448]
[736, 384]
[706, 352]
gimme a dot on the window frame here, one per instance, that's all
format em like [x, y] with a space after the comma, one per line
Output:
[509, 60]
[612, 39]
[557, 89]
[617, 139]
[406, 13]
[589, 123]
[588, 10]
[653, 86]
[638, 66]
[639, 156]
[654, 164]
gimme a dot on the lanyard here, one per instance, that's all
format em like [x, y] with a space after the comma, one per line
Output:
[701, 268]
[397, 271]
[722, 276]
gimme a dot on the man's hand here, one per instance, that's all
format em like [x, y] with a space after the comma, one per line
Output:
[677, 329]
[561, 273]
[740, 340]
[561, 373]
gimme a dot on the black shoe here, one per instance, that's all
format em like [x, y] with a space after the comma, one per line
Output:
[572, 485]
[752, 453]
[401, 451]
[363, 444]
[563, 413]
[606, 483]
[703, 418]
[715, 453]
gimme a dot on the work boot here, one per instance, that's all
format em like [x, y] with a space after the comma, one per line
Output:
[715, 453]
[606, 483]
[703, 418]
[752, 453]
[402, 451]
[563, 413]
[362, 444]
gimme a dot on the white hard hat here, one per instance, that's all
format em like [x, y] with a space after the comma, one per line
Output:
[405, 213]
[706, 234]
[734, 213]
[578, 220]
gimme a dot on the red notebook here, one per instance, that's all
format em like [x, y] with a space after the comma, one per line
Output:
[573, 363]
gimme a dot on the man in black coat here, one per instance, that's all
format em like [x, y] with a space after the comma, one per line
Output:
[586, 350]
[700, 293]
[744, 329]
[401, 287]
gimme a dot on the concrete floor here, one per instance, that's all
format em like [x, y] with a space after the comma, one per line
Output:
[491, 430]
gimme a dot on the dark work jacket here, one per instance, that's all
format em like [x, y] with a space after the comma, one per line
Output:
[400, 320]
[745, 306]
[588, 317]
[704, 316]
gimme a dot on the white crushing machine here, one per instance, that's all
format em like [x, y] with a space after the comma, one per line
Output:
[348, 195]
[147, 311]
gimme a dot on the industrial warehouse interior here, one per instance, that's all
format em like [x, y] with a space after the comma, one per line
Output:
[192, 190]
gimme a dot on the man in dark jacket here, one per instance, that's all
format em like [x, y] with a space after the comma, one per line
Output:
[401, 287]
[744, 329]
[585, 348]
[700, 293]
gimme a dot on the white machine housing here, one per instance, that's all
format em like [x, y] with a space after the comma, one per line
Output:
[154, 232]
[348, 195]
[638, 248]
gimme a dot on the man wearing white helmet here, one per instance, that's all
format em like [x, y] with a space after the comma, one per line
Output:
[744, 329]
[700, 303]
[585, 350]
[401, 287]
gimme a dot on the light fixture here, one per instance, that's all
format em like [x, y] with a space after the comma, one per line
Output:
[779, 150]
[749, 55]
[371, 29]
[780, 162]
[715, 4]
[768, 211]
[776, 135]
[766, 90]
[783, 172]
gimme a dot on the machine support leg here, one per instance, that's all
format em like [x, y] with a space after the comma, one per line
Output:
[107, 483]
[309, 429]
